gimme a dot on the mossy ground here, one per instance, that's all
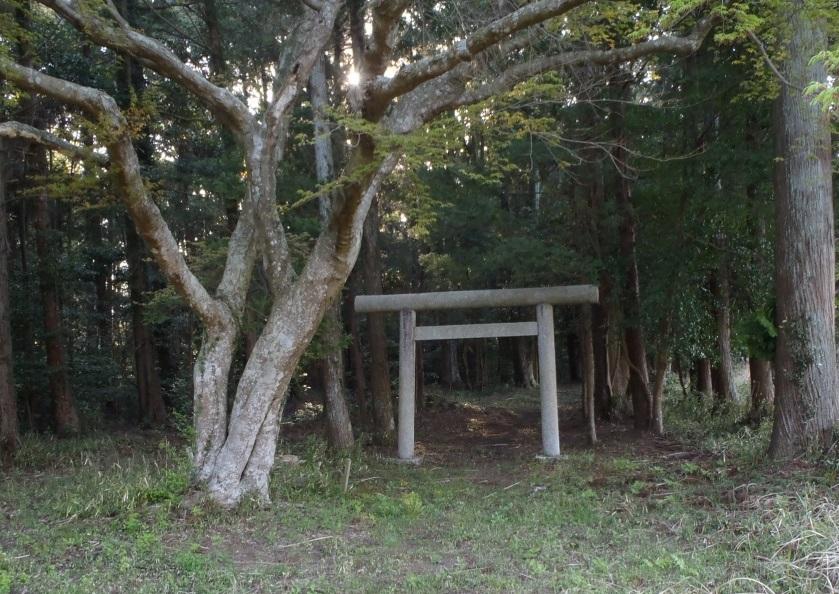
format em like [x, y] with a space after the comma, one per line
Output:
[699, 511]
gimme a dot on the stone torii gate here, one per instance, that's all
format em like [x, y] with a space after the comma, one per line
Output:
[409, 333]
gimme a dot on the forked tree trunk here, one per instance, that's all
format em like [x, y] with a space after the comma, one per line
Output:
[8, 400]
[65, 416]
[636, 352]
[806, 401]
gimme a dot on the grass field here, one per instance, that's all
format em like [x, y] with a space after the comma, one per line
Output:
[696, 512]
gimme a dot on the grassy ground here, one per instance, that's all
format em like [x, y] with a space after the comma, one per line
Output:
[697, 512]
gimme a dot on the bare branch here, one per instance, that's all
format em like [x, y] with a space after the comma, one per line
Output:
[24, 132]
[414, 74]
[152, 54]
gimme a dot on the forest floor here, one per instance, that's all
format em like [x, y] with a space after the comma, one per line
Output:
[698, 511]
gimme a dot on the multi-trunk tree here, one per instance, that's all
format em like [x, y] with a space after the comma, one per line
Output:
[402, 85]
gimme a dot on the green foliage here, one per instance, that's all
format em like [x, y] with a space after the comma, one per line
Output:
[757, 333]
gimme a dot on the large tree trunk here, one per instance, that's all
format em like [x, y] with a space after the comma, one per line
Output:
[8, 400]
[371, 264]
[65, 416]
[332, 365]
[806, 401]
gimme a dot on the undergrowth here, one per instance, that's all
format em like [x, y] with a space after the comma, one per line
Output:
[701, 513]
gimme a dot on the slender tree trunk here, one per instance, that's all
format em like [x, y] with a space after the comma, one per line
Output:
[587, 347]
[574, 363]
[152, 409]
[356, 356]
[452, 377]
[762, 388]
[725, 390]
[385, 425]
[619, 366]
[600, 342]
[806, 403]
[704, 377]
[65, 416]
[102, 271]
[332, 365]
[600, 234]
[662, 362]
[419, 374]
[526, 361]
[8, 399]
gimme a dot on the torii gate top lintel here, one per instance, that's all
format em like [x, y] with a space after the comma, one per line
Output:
[544, 298]
[566, 295]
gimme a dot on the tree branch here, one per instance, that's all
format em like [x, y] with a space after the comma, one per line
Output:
[294, 66]
[414, 74]
[385, 15]
[152, 54]
[766, 58]
[115, 135]
[17, 130]
[450, 90]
